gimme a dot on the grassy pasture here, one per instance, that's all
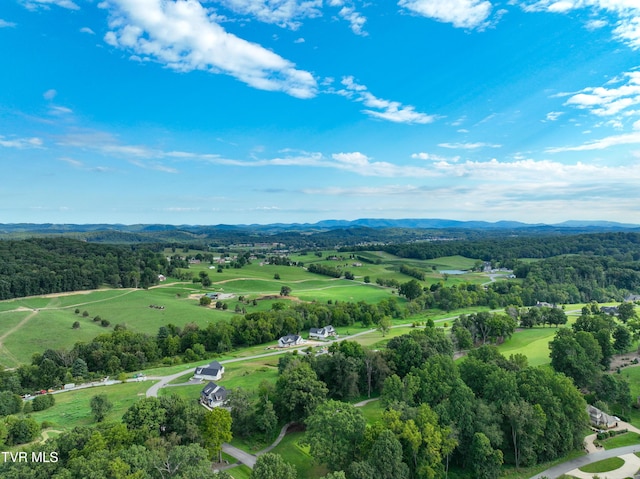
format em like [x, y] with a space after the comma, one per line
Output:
[50, 326]
[533, 343]
[72, 408]
[298, 455]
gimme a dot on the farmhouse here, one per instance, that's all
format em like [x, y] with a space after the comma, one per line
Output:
[289, 340]
[213, 395]
[610, 310]
[601, 419]
[322, 333]
[209, 372]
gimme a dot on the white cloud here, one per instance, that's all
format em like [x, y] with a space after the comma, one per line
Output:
[432, 157]
[596, 24]
[603, 101]
[60, 110]
[35, 4]
[50, 94]
[184, 36]
[87, 30]
[553, 115]
[460, 13]
[628, 12]
[355, 159]
[349, 13]
[20, 143]
[285, 13]
[299, 40]
[6, 24]
[379, 108]
[601, 144]
[468, 146]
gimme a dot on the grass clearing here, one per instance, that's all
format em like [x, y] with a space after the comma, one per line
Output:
[298, 455]
[627, 439]
[72, 408]
[605, 465]
[533, 343]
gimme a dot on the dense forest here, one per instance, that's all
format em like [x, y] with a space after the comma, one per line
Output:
[52, 265]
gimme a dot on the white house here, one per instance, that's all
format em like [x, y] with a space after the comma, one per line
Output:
[213, 395]
[601, 419]
[289, 340]
[322, 333]
[209, 372]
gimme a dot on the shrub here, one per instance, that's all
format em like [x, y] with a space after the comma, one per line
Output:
[76, 325]
[42, 402]
[105, 323]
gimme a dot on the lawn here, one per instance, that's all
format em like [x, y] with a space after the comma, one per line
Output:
[72, 408]
[372, 412]
[293, 453]
[603, 466]
[628, 439]
[533, 343]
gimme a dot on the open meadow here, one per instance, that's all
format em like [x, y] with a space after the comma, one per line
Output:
[34, 324]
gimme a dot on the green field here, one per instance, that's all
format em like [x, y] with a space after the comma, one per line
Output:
[294, 453]
[34, 324]
[72, 408]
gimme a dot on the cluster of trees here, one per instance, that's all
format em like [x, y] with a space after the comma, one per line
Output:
[482, 328]
[123, 350]
[413, 272]
[506, 249]
[156, 439]
[479, 414]
[576, 279]
[584, 351]
[324, 270]
[52, 265]
[495, 295]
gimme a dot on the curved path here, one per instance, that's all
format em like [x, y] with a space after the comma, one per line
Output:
[565, 467]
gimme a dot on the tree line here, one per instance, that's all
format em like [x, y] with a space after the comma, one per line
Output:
[476, 415]
[53, 265]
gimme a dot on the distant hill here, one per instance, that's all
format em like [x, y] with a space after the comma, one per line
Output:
[321, 234]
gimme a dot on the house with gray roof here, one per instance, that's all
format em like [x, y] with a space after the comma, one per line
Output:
[601, 419]
[289, 340]
[209, 372]
[322, 333]
[213, 395]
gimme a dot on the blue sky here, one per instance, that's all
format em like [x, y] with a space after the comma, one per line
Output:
[263, 111]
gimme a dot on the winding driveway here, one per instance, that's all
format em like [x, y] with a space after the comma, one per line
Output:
[565, 467]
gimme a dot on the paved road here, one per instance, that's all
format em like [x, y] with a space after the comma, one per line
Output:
[565, 467]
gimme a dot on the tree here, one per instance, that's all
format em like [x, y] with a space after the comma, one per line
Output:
[272, 466]
[578, 355]
[486, 460]
[216, 430]
[386, 457]
[42, 402]
[621, 339]
[145, 417]
[527, 428]
[334, 431]
[298, 392]
[626, 312]
[410, 290]
[100, 406]
[184, 462]
[10, 403]
[285, 291]
[384, 325]
[21, 430]
[205, 300]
